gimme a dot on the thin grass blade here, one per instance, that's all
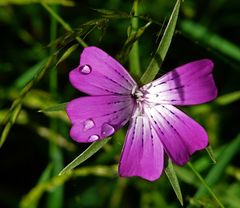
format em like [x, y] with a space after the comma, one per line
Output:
[43, 178]
[58, 107]
[65, 25]
[35, 194]
[134, 62]
[211, 154]
[17, 104]
[217, 170]
[91, 150]
[67, 53]
[21, 2]
[131, 40]
[163, 47]
[172, 177]
[29, 74]
[202, 34]
[206, 185]
[228, 98]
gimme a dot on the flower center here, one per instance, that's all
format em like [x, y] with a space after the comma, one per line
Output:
[139, 97]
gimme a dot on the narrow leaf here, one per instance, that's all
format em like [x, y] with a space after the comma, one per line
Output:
[54, 137]
[35, 194]
[202, 34]
[217, 170]
[206, 185]
[163, 47]
[65, 25]
[92, 149]
[122, 56]
[134, 62]
[20, 2]
[228, 98]
[112, 13]
[211, 154]
[45, 176]
[58, 107]
[67, 53]
[17, 103]
[27, 76]
[172, 177]
[9, 124]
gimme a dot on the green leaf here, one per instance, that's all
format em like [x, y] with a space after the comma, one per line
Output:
[211, 154]
[172, 177]
[122, 56]
[58, 107]
[50, 185]
[163, 47]
[11, 120]
[67, 53]
[65, 25]
[205, 185]
[29, 74]
[17, 103]
[112, 13]
[217, 170]
[228, 98]
[202, 34]
[91, 150]
[20, 2]
[134, 62]
[54, 137]
[43, 178]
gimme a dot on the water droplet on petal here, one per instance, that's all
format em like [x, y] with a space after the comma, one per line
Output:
[93, 138]
[85, 69]
[88, 124]
[107, 130]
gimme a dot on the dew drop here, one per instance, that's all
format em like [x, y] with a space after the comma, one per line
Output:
[107, 130]
[85, 69]
[93, 138]
[88, 124]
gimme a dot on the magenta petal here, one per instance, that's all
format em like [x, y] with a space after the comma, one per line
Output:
[100, 74]
[97, 117]
[142, 154]
[189, 84]
[180, 135]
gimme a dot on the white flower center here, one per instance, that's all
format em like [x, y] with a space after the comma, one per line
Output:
[140, 96]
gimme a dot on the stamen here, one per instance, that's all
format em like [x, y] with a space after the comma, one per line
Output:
[134, 89]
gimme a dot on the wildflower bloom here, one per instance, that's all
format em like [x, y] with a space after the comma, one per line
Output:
[156, 126]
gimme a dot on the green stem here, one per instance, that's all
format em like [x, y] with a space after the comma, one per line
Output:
[91, 150]
[205, 184]
[55, 199]
[65, 25]
[155, 63]
[16, 105]
[134, 63]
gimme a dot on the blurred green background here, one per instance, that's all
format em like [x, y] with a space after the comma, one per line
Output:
[38, 145]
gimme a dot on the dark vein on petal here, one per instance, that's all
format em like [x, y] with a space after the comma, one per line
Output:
[173, 114]
[110, 66]
[117, 83]
[121, 75]
[169, 124]
[133, 134]
[171, 89]
[155, 122]
[160, 83]
[180, 75]
[151, 135]
[117, 102]
[115, 93]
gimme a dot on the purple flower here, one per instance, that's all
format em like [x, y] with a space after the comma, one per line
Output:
[156, 126]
